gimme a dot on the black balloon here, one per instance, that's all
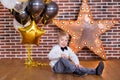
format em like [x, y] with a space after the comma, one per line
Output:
[22, 17]
[35, 7]
[11, 11]
[50, 11]
[37, 19]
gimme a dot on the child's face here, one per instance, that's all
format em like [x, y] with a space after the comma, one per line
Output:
[63, 41]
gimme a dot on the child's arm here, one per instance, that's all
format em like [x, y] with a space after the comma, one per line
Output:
[74, 58]
[65, 56]
[54, 55]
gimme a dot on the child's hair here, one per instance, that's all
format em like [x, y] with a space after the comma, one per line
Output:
[62, 33]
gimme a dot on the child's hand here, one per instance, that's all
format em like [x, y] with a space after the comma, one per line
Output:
[78, 65]
[64, 56]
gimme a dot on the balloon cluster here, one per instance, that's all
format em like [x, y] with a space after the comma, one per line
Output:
[37, 10]
[27, 14]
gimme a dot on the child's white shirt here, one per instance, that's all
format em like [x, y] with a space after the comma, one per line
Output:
[56, 52]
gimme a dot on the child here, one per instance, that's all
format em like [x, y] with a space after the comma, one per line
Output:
[63, 60]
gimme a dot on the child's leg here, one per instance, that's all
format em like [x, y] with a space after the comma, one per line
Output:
[82, 71]
[64, 66]
[100, 68]
[69, 67]
[97, 71]
[59, 67]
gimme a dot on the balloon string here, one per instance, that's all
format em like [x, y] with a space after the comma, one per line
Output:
[41, 18]
[47, 1]
[29, 60]
[47, 16]
[29, 51]
[43, 24]
[21, 21]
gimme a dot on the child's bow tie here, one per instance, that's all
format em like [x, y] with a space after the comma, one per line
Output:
[64, 48]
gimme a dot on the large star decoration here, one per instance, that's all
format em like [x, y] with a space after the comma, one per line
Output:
[85, 31]
[31, 34]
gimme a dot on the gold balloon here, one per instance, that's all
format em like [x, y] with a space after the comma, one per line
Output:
[31, 34]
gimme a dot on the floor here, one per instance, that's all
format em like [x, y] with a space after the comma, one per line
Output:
[17, 70]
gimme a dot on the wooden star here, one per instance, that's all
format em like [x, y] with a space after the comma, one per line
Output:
[85, 31]
[31, 34]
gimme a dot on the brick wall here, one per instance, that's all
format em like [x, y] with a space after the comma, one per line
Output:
[11, 47]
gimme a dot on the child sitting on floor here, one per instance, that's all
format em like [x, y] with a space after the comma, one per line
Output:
[64, 60]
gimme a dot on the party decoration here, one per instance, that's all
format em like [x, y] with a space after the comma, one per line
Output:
[26, 14]
[9, 3]
[35, 7]
[85, 31]
[23, 0]
[47, 1]
[17, 24]
[20, 6]
[30, 62]
[44, 21]
[22, 17]
[50, 11]
[37, 10]
[31, 34]
[37, 19]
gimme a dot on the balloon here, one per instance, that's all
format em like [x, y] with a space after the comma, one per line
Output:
[35, 7]
[11, 11]
[22, 17]
[37, 19]
[31, 34]
[9, 3]
[17, 24]
[50, 11]
[23, 0]
[20, 6]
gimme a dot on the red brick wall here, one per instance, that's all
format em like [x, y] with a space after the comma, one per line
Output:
[11, 47]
